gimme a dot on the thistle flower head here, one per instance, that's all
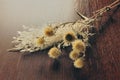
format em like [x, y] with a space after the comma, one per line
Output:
[78, 45]
[40, 41]
[54, 52]
[69, 36]
[79, 63]
[74, 55]
[48, 31]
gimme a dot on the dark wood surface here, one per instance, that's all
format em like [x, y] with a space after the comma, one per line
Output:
[103, 61]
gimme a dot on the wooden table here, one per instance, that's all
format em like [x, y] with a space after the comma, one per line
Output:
[103, 62]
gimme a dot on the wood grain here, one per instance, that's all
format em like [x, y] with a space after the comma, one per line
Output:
[102, 61]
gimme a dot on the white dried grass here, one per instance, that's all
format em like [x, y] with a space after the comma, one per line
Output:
[25, 41]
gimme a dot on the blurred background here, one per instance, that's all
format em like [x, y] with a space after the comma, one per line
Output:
[15, 13]
[103, 62]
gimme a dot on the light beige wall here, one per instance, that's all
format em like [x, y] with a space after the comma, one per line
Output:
[15, 13]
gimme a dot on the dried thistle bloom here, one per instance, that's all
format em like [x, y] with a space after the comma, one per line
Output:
[40, 41]
[54, 52]
[74, 55]
[78, 45]
[48, 31]
[79, 63]
[69, 37]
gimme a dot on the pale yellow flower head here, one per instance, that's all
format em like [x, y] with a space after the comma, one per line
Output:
[78, 45]
[39, 41]
[69, 36]
[74, 55]
[48, 31]
[54, 52]
[79, 63]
